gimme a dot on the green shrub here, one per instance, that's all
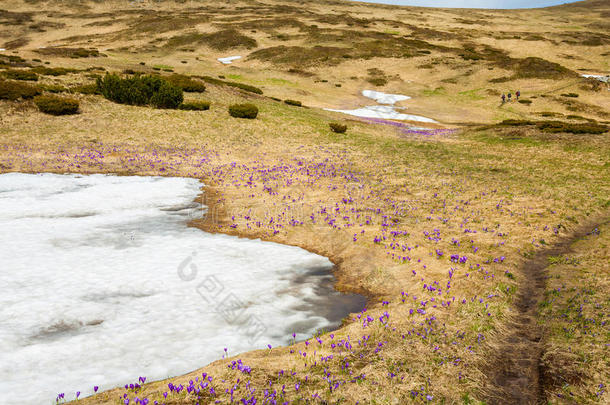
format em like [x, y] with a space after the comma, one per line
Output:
[195, 106]
[140, 90]
[167, 96]
[186, 83]
[20, 75]
[53, 88]
[499, 80]
[10, 90]
[525, 101]
[58, 71]
[516, 123]
[574, 95]
[538, 68]
[558, 126]
[581, 118]
[377, 81]
[221, 40]
[338, 128]
[86, 89]
[245, 87]
[7, 61]
[243, 111]
[55, 105]
[293, 102]
[69, 52]
[549, 114]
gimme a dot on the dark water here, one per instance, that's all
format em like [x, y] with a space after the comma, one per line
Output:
[492, 4]
[325, 302]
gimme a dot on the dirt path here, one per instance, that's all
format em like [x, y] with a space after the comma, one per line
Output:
[516, 370]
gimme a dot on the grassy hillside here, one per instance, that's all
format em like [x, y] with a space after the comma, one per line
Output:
[462, 236]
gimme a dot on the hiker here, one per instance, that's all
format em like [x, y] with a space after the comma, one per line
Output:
[503, 98]
[509, 96]
[518, 94]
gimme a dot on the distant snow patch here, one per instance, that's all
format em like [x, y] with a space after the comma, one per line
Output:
[387, 111]
[601, 78]
[229, 59]
[384, 98]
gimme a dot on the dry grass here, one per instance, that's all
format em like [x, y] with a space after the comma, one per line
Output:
[574, 317]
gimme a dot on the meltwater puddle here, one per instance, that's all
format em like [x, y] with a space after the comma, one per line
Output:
[103, 282]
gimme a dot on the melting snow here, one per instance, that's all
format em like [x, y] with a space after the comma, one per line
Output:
[383, 111]
[229, 59]
[601, 78]
[103, 282]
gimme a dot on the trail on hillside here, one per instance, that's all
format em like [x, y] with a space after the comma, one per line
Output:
[515, 370]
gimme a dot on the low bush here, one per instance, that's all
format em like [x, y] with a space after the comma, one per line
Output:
[247, 110]
[525, 101]
[338, 128]
[195, 106]
[7, 61]
[559, 126]
[516, 123]
[55, 105]
[245, 87]
[86, 89]
[293, 102]
[167, 96]
[573, 95]
[549, 114]
[186, 83]
[53, 88]
[58, 71]
[69, 52]
[241, 86]
[16, 74]
[538, 68]
[140, 90]
[580, 118]
[377, 81]
[11, 90]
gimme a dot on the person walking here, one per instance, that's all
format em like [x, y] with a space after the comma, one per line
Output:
[509, 97]
[503, 98]
[518, 94]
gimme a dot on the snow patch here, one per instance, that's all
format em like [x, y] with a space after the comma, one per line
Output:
[384, 98]
[229, 59]
[601, 78]
[102, 282]
[384, 111]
